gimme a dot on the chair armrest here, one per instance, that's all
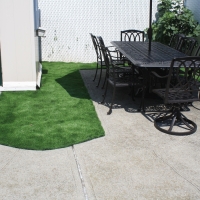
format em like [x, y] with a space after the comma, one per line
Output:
[113, 49]
[123, 68]
[158, 76]
[118, 55]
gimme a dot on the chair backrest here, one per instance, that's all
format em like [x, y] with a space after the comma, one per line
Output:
[109, 59]
[198, 51]
[175, 41]
[183, 80]
[96, 47]
[132, 35]
[187, 45]
[106, 54]
[101, 42]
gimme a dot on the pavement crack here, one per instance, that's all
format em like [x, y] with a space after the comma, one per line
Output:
[9, 160]
[174, 169]
[80, 173]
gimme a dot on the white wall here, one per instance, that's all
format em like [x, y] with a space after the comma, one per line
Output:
[17, 45]
[69, 22]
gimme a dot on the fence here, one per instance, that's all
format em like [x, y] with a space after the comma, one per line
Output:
[69, 22]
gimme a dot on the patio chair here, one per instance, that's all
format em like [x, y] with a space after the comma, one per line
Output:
[180, 90]
[175, 41]
[118, 76]
[181, 43]
[114, 76]
[187, 45]
[114, 53]
[131, 35]
[100, 62]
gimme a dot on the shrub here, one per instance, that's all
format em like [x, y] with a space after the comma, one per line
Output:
[172, 18]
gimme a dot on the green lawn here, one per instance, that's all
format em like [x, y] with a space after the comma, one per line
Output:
[57, 115]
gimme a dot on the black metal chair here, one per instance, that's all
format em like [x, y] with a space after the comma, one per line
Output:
[132, 35]
[114, 76]
[187, 45]
[158, 76]
[135, 36]
[100, 62]
[118, 76]
[175, 41]
[181, 43]
[182, 88]
[114, 53]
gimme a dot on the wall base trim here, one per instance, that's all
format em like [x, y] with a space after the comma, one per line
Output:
[18, 86]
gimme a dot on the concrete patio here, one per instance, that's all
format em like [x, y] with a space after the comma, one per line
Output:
[134, 161]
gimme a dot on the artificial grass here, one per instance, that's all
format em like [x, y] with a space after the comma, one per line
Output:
[57, 115]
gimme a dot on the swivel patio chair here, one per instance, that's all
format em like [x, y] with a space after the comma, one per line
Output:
[182, 87]
[100, 62]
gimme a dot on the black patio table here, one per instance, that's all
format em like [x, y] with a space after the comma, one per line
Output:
[138, 53]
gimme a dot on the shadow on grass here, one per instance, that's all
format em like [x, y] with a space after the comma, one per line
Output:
[74, 85]
[44, 71]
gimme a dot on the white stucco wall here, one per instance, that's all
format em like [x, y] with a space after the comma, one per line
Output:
[69, 22]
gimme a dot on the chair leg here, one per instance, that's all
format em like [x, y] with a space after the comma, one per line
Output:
[172, 124]
[112, 101]
[99, 76]
[95, 75]
[104, 95]
[141, 107]
[185, 121]
[132, 93]
[103, 83]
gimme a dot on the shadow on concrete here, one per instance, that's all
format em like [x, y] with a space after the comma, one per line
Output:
[123, 100]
